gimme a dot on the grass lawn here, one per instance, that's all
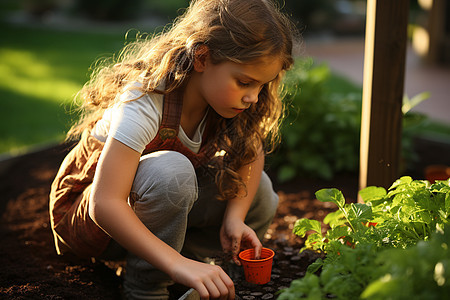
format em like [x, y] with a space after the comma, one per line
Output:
[40, 72]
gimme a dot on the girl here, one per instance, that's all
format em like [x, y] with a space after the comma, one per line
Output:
[170, 160]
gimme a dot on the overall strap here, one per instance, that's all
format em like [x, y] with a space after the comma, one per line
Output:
[167, 136]
[172, 107]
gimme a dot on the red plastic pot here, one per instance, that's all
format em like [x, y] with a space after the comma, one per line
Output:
[257, 271]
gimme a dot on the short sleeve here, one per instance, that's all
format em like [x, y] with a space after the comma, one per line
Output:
[135, 119]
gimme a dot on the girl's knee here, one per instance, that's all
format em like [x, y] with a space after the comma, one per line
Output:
[166, 175]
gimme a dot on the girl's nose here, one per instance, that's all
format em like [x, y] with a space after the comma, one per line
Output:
[251, 97]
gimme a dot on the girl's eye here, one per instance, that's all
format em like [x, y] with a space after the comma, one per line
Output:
[243, 84]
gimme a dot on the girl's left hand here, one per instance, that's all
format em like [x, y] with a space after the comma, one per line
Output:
[236, 235]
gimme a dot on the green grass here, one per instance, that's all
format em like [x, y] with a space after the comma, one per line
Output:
[40, 72]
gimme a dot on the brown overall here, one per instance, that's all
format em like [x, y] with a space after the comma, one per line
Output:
[72, 227]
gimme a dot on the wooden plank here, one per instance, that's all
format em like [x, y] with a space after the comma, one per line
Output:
[383, 88]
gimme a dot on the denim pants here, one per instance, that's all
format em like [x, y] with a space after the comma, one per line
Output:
[178, 205]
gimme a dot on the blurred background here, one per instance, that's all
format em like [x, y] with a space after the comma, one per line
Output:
[48, 47]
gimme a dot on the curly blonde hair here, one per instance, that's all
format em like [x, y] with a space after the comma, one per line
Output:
[233, 30]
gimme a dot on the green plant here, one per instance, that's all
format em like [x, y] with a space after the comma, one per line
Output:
[408, 213]
[344, 275]
[421, 271]
[321, 130]
[366, 244]
[320, 134]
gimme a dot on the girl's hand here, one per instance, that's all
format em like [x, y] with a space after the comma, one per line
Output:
[210, 281]
[236, 235]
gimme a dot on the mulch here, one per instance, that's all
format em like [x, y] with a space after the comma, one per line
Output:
[31, 269]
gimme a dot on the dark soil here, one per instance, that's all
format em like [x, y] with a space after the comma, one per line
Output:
[30, 268]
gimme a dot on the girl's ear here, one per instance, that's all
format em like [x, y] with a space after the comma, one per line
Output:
[201, 57]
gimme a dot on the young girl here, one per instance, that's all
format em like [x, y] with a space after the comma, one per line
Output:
[170, 161]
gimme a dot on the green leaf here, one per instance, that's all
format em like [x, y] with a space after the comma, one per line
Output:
[335, 219]
[372, 193]
[301, 226]
[307, 287]
[408, 213]
[338, 232]
[360, 212]
[331, 195]
[408, 104]
[402, 181]
[381, 288]
[315, 241]
[315, 266]
[424, 216]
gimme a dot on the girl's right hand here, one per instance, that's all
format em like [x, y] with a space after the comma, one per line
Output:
[210, 281]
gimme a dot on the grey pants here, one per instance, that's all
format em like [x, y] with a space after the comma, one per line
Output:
[178, 205]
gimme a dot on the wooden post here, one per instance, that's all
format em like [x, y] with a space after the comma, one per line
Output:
[384, 72]
[436, 30]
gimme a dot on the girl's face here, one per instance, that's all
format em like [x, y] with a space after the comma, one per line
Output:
[230, 88]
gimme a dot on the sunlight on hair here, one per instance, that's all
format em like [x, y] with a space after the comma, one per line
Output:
[220, 153]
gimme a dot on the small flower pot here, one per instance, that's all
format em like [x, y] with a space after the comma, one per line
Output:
[437, 172]
[257, 271]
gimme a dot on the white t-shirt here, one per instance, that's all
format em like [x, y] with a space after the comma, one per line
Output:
[135, 122]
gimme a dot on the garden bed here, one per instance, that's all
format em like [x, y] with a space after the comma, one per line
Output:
[32, 270]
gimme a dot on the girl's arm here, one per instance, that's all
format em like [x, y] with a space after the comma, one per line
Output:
[108, 207]
[234, 231]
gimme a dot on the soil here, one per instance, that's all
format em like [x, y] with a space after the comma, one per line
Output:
[31, 269]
